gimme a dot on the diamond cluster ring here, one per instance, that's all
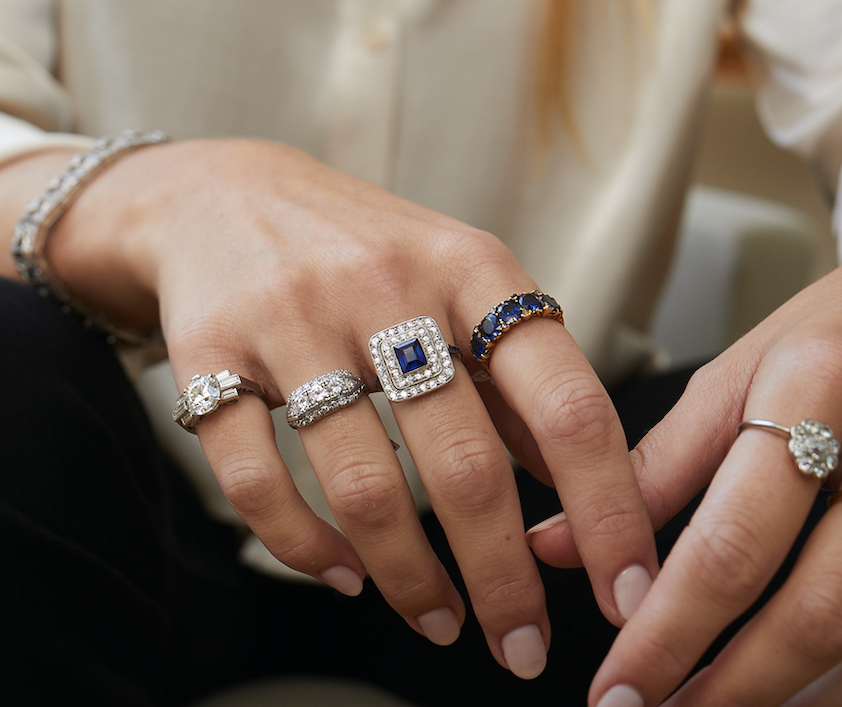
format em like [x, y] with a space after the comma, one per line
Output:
[811, 445]
[205, 393]
[411, 359]
[511, 311]
[321, 396]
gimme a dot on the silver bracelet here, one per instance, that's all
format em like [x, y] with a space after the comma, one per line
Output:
[33, 230]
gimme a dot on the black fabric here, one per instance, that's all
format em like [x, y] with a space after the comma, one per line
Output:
[117, 589]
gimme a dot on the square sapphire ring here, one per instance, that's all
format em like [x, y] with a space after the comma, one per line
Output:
[411, 359]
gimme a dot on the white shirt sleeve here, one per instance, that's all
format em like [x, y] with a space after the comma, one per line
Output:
[797, 51]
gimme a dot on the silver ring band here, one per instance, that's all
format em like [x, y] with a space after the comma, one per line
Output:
[411, 359]
[321, 396]
[811, 445]
[204, 394]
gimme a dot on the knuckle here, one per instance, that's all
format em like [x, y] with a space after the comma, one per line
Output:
[727, 559]
[359, 495]
[387, 267]
[472, 472]
[814, 628]
[507, 591]
[613, 522]
[576, 412]
[299, 551]
[249, 485]
[472, 256]
[824, 354]
[665, 651]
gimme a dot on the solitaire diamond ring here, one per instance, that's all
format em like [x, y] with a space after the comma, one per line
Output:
[205, 393]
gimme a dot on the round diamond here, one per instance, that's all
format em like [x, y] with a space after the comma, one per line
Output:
[203, 395]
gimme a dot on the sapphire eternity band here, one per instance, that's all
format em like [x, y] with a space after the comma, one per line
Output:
[511, 311]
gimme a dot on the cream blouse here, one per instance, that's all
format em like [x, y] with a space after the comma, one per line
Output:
[434, 100]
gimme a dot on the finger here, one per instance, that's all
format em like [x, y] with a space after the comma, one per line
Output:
[579, 436]
[672, 466]
[515, 434]
[822, 692]
[735, 541]
[792, 641]
[471, 486]
[470, 482]
[370, 498]
[239, 443]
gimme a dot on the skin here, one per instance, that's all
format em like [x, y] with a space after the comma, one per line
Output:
[254, 257]
[787, 369]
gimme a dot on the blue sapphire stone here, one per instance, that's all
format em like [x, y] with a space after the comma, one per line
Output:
[551, 302]
[510, 311]
[530, 302]
[478, 347]
[489, 326]
[410, 356]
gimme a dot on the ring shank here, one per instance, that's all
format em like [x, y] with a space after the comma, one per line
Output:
[764, 425]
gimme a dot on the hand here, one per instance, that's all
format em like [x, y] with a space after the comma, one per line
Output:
[787, 369]
[267, 263]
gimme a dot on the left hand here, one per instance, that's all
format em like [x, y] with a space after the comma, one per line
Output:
[787, 369]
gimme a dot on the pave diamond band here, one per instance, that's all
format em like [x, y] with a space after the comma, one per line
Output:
[411, 359]
[811, 445]
[321, 396]
[514, 310]
[205, 393]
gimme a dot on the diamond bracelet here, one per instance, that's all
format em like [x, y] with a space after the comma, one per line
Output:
[33, 230]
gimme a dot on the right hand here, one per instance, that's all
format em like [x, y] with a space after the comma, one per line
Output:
[263, 261]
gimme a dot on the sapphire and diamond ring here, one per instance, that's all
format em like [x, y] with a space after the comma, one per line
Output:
[811, 445]
[511, 311]
[411, 359]
[321, 396]
[206, 393]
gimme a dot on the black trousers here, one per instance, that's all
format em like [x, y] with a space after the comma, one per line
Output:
[117, 589]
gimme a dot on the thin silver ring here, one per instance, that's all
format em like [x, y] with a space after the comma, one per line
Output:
[812, 445]
[205, 394]
[323, 395]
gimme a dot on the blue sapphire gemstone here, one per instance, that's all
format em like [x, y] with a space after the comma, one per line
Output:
[530, 302]
[478, 347]
[510, 311]
[410, 356]
[551, 302]
[488, 326]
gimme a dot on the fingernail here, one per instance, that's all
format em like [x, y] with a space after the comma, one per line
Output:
[549, 523]
[630, 588]
[343, 579]
[524, 651]
[621, 696]
[440, 626]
